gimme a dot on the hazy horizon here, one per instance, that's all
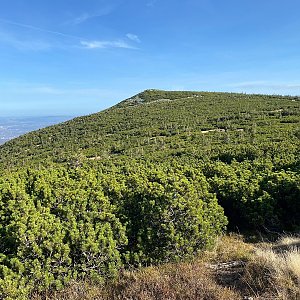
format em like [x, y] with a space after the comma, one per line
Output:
[12, 127]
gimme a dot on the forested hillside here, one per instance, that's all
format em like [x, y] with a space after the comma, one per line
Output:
[155, 178]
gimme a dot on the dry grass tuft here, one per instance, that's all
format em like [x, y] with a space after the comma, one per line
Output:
[184, 281]
[233, 270]
[75, 290]
[230, 248]
[173, 281]
[287, 243]
[275, 272]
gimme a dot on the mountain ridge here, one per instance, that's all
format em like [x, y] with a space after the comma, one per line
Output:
[170, 119]
[157, 178]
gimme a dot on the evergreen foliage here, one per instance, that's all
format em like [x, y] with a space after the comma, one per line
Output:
[152, 179]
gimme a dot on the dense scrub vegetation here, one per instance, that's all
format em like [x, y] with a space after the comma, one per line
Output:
[62, 224]
[153, 179]
[166, 124]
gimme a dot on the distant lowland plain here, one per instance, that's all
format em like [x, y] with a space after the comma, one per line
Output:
[12, 127]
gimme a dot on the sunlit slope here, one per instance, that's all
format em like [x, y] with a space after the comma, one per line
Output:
[160, 124]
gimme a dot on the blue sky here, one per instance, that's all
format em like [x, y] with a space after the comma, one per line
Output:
[74, 57]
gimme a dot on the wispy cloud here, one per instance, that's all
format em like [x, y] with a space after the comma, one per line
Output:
[35, 28]
[22, 44]
[133, 37]
[106, 44]
[86, 16]
[38, 45]
[80, 19]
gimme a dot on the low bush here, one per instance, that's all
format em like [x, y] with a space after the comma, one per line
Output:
[64, 224]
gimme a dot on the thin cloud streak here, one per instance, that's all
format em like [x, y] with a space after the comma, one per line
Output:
[82, 18]
[133, 37]
[41, 45]
[106, 44]
[32, 45]
[40, 29]
[88, 16]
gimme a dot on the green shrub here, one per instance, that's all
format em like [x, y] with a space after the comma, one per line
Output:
[52, 232]
[169, 214]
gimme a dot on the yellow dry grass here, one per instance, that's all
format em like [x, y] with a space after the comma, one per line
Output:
[264, 271]
[182, 281]
[230, 248]
[286, 242]
[276, 270]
